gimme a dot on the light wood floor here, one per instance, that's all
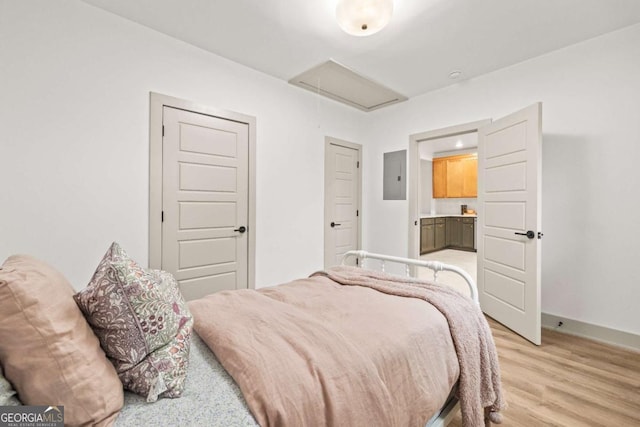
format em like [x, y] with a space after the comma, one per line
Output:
[567, 381]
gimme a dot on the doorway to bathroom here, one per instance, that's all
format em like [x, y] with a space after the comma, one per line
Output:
[423, 149]
[509, 209]
[446, 200]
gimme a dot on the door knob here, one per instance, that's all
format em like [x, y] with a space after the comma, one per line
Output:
[242, 229]
[530, 234]
[333, 224]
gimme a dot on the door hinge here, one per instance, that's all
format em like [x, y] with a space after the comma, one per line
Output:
[162, 130]
[357, 261]
[162, 217]
[358, 164]
[357, 212]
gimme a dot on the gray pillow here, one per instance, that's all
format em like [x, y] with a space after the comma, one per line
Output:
[7, 393]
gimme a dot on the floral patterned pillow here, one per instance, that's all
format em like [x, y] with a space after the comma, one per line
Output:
[143, 324]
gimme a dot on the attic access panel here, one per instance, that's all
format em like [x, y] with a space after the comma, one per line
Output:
[341, 84]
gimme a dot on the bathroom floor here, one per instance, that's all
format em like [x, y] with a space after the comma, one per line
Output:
[463, 259]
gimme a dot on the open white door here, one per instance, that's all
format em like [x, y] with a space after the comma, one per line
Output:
[509, 217]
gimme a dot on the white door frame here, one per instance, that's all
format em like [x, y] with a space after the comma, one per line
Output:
[327, 208]
[157, 102]
[414, 175]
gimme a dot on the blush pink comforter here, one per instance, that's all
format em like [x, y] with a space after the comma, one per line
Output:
[314, 352]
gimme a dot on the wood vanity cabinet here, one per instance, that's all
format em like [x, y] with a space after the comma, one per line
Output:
[468, 233]
[439, 178]
[427, 235]
[446, 232]
[454, 231]
[455, 176]
[441, 233]
[470, 176]
[460, 233]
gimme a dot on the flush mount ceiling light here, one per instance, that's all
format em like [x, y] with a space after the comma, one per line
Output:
[363, 17]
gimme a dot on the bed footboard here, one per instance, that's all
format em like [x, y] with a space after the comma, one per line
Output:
[436, 266]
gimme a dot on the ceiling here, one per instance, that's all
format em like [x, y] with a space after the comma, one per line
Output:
[425, 41]
[432, 147]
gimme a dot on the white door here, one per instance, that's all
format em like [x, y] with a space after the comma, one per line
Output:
[509, 220]
[205, 184]
[342, 200]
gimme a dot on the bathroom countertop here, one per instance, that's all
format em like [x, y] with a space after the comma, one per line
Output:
[446, 215]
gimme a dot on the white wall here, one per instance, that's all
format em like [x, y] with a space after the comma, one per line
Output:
[75, 85]
[74, 150]
[426, 185]
[591, 110]
[452, 206]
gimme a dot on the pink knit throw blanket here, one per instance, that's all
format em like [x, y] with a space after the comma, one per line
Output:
[479, 388]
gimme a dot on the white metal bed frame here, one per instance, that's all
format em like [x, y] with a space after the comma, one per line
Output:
[436, 266]
[452, 406]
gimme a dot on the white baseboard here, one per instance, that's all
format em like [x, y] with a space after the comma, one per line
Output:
[594, 332]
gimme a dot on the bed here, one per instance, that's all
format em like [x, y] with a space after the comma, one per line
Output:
[240, 373]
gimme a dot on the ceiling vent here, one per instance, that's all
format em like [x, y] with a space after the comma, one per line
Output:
[341, 84]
